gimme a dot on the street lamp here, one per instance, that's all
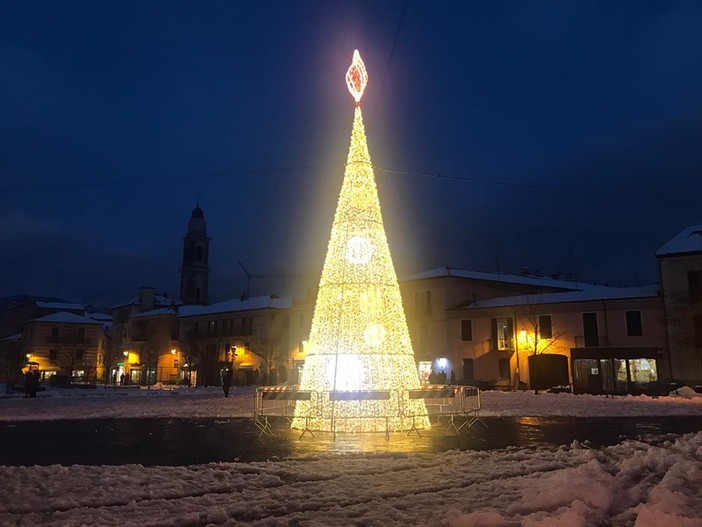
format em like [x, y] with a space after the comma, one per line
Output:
[523, 336]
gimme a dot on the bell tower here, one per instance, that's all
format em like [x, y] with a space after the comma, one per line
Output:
[195, 272]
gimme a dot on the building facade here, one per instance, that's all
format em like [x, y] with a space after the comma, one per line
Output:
[429, 296]
[66, 348]
[613, 340]
[680, 268]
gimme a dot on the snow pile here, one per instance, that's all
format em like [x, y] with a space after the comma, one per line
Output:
[642, 484]
[210, 402]
[687, 392]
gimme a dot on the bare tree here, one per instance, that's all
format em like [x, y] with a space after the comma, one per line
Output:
[534, 341]
[192, 353]
[268, 348]
[72, 358]
[535, 338]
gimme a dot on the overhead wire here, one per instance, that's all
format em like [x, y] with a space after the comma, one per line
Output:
[417, 173]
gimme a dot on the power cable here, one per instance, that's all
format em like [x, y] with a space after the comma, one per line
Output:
[392, 51]
[530, 186]
[417, 173]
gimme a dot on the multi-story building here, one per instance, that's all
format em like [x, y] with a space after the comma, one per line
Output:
[69, 346]
[680, 267]
[24, 315]
[252, 335]
[119, 360]
[613, 338]
[428, 296]
[482, 327]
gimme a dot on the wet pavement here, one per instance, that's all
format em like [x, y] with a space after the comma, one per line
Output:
[194, 441]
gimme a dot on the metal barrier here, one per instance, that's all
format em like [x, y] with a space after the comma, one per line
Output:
[454, 402]
[458, 403]
[470, 402]
[358, 396]
[279, 401]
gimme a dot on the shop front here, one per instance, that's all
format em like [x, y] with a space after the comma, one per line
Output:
[617, 371]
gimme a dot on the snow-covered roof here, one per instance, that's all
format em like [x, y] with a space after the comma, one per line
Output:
[590, 294]
[258, 302]
[541, 281]
[159, 300]
[60, 305]
[156, 312]
[688, 241]
[102, 317]
[64, 317]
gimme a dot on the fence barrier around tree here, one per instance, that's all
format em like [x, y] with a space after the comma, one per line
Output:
[459, 405]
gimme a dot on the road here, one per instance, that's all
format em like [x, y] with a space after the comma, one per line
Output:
[174, 442]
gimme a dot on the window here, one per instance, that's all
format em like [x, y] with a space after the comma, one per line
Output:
[590, 331]
[79, 354]
[176, 363]
[81, 334]
[545, 328]
[634, 327]
[199, 254]
[196, 328]
[466, 330]
[694, 284]
[54, 334]
[212, 327]
[53, 354]
[503, 368]
[502, 331]
[247, 326]
[422, 301]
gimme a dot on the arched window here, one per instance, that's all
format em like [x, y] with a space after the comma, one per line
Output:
[199, 253]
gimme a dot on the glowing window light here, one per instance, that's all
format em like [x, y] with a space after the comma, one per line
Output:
[359, 250]
[357, 76]
[359, 338]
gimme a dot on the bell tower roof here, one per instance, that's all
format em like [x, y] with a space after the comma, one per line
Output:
[197, 213]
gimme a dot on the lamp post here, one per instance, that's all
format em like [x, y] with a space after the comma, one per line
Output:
[232, 352]
[126, 362]
[523, 336]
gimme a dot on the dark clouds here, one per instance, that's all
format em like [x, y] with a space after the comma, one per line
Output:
[602, 97]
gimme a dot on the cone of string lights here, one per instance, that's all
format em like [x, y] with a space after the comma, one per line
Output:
[359, 338]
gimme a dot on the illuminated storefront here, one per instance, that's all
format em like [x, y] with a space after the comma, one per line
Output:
[614, 370]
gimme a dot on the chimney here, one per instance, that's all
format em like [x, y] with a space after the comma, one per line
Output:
[146, 298]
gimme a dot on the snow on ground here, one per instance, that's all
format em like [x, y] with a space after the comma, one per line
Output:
[634, 483]
[655, 481]
[210, 402]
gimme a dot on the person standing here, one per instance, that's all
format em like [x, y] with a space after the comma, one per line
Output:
[227, 381]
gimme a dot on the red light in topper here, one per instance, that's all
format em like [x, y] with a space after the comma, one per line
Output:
[357, 76]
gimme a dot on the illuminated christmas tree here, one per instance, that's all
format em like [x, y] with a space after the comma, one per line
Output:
[359, 338]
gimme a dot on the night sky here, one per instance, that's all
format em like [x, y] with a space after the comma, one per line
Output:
[550, 135]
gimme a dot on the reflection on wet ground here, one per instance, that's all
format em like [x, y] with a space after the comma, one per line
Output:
[193, 441]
